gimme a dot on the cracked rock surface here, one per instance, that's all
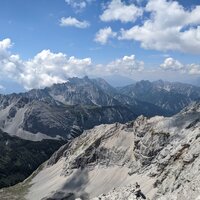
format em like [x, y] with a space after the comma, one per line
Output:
[161, 154]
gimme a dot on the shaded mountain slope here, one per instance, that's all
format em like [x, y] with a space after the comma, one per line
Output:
[19, 158]
[172, 97]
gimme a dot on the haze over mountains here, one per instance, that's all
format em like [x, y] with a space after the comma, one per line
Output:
[65, 110]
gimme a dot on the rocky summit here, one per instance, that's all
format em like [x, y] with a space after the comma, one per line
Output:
[160, 153]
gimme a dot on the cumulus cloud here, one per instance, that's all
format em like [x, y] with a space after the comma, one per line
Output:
[169, 27]
[104, 34]
[46, 67]
[194, 69]
[126, 65]
[71, 21]
[118, 10]
[4, 46]
[8, 62]
[43, 70]
[78, 5]
[49, 68]
[2, 87]
[170, 64]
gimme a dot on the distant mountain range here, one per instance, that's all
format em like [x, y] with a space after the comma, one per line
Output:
[170, 96]
[65, 110]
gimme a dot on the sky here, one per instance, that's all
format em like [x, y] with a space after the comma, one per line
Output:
[47, 41]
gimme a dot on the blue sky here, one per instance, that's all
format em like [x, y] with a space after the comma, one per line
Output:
[136, 39]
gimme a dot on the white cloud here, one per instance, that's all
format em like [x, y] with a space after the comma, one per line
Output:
[4, 46]
[104, 34]
[8, 62]
[2, 87]
[169, 27]
[78, 5]
[71, 21]
[46, 67]
[170, 64]
[126, 66]
[194, 69]
[117, 10]
[43, 70]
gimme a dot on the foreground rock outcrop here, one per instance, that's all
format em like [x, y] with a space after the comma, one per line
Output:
[162, 154]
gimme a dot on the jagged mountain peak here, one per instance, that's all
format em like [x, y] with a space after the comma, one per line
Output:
[167, 95]
[83, 91]
[53, 111]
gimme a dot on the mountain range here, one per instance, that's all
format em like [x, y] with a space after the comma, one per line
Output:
[29, 121]
[65, 110]
[160, 153]
[172, 97]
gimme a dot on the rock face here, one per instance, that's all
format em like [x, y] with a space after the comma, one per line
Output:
[172, 97]
[100, 145]
[91, 164]
[168, 150]
[162, 154]
[65, 110]
[37, 120]
[19, 158]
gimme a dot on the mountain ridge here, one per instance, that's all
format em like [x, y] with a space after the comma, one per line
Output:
[172, 96]
[52, 112]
